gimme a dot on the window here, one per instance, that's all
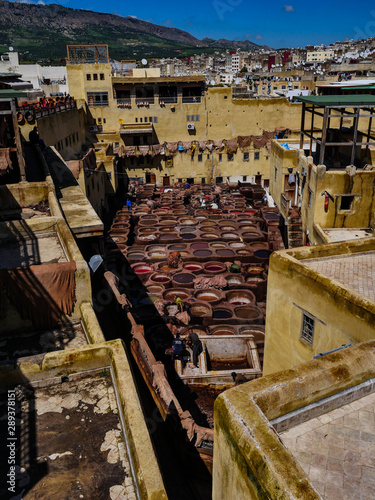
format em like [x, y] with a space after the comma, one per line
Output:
[117, 144]
[246, 157]
[219, 180]
[220, 157]
[192, 118]
[150, 119]
[95, 76]
[141, 160]
[66, 141]
[155, 119]
[244, 178]
[104, 120]
[140, 120]
[88, 77]
[200, 157]
[102, 76]
[310, 197]
[256, 156]
[208, 157]
[275, 172]
[307, 330]
[346, 202]
[97, 98]
[179, 180]
[190, 180]
[136, 120]
[203, 180]
[230, 156]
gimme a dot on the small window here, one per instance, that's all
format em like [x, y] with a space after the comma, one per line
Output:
[88, 77]
[310, 197]
[208, 157]
[220, 157]
[102, 76]
[307, 331]
[200, 157]
[150, 119]
[256, 156]
[244, 178]
[225, 97]
[190, 180]
[140, 120]
[99, 120]
[104, 120]
[230, 156]
[203, 180]
[141, 160]
[155, 119]
[146, 119]
[136, 120]
[246, 157]
[219, 180]
[179, 180]
[346, 202]
[95, 76]
[117, 144]
[275, 172]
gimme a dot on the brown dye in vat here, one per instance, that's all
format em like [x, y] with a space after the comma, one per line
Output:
[184, 278]
[207, 296]
[199, 310]
[199, 246]
[223, 331]
[160, 279]
[225, 253]
[170, 295]
[202, 253]
[205, 398]
[232, 365]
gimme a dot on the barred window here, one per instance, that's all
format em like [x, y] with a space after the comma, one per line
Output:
[97, 98]
[307, 331]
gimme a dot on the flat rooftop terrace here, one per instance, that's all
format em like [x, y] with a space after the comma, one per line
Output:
[71, 440]
[21, 345]
[341, 234]
[356, 271]
[32, 250]
[337, 450]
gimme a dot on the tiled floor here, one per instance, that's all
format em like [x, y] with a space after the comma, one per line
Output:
[357, 271]
[337, 450]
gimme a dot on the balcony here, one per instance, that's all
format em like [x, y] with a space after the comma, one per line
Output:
[124, 103]
[168, 100]
[194, 99]
[144, 101]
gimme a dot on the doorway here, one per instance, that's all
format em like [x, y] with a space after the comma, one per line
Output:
[150, 178]
[166, 181]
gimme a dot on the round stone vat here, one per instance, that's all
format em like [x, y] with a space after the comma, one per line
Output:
[236, 244]
[146, 230]
[177, 247]
[157, 255]
[207, 223]
[187, 222]
[222, 330]
[225, 252]
[198, 329]
[167, 229]
[172, 293]
[214, 267]
[255, 270]
[209, 295]
[209, 236]
[209, 229]
[250, 330]
[148, 222]
[188, 236]
[184, 279]
[155, 248]
[249, 313]
[218, 245]
[142, 270]
[240, 297]
[200, 310]
[199, 246]
[261, 255]
[172, 309]
[187, 229]
[234, 280]
[155, 289]
[230, 236]
[167, 222]
[193, 267]
[251, 236]
[221, 313]
[244, 252]
[161, 278]
[169, 237]
[202, 255]
[135, 256]
[259, 244]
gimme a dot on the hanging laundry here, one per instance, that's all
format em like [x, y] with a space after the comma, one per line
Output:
[244, 141]
[130, 150]
[202, 145]
[181, 148]
[144, 150]
[210, 147]
[232, 145]
[268, 135]
[172, 146]
[259, 141]
[218, 144]
[155, 150]
[291, 179]
[186, 145]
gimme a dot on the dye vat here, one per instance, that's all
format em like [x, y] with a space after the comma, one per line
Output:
[157, 255]
[172, 293]
[218, 245]
[135, 256]
[234, 365]
[249, 313]
[210, 295]
[186, 279]
[202, 253]
[234, 280]
[199, 246]
[209, 236]
[177, 247]
[240, 297]
[193, 267]
[236, 244]
[200, 310]
[223, 330]
[230, 236]
[225, 252]
[221, 314]
[188, 236]
[155, 289]
[164, 279]
[214, 268]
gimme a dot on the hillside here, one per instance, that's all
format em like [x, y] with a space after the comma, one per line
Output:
[41, 33]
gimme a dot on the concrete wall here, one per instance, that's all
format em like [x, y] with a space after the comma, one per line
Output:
[341, 315]
[250, 461]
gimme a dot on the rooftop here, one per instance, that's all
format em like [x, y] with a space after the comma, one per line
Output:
[356, 271]
[337, 449]
[339, 100]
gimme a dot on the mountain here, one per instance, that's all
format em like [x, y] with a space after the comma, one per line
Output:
[232, 44]
[41, 33]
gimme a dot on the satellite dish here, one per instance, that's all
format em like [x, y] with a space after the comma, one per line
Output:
[11, 49]
[144, 62]
[213, 82]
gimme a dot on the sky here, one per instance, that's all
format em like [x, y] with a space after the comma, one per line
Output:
[272, 22]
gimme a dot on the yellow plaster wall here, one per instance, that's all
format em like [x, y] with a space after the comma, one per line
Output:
[342, 316]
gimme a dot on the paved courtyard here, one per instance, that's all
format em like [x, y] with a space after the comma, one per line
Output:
[337, 450]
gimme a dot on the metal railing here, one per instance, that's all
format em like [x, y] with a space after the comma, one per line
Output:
[139, 101]
[187, 100]
[168, 100]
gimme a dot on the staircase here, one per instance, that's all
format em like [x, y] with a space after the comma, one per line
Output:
[295, 233]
